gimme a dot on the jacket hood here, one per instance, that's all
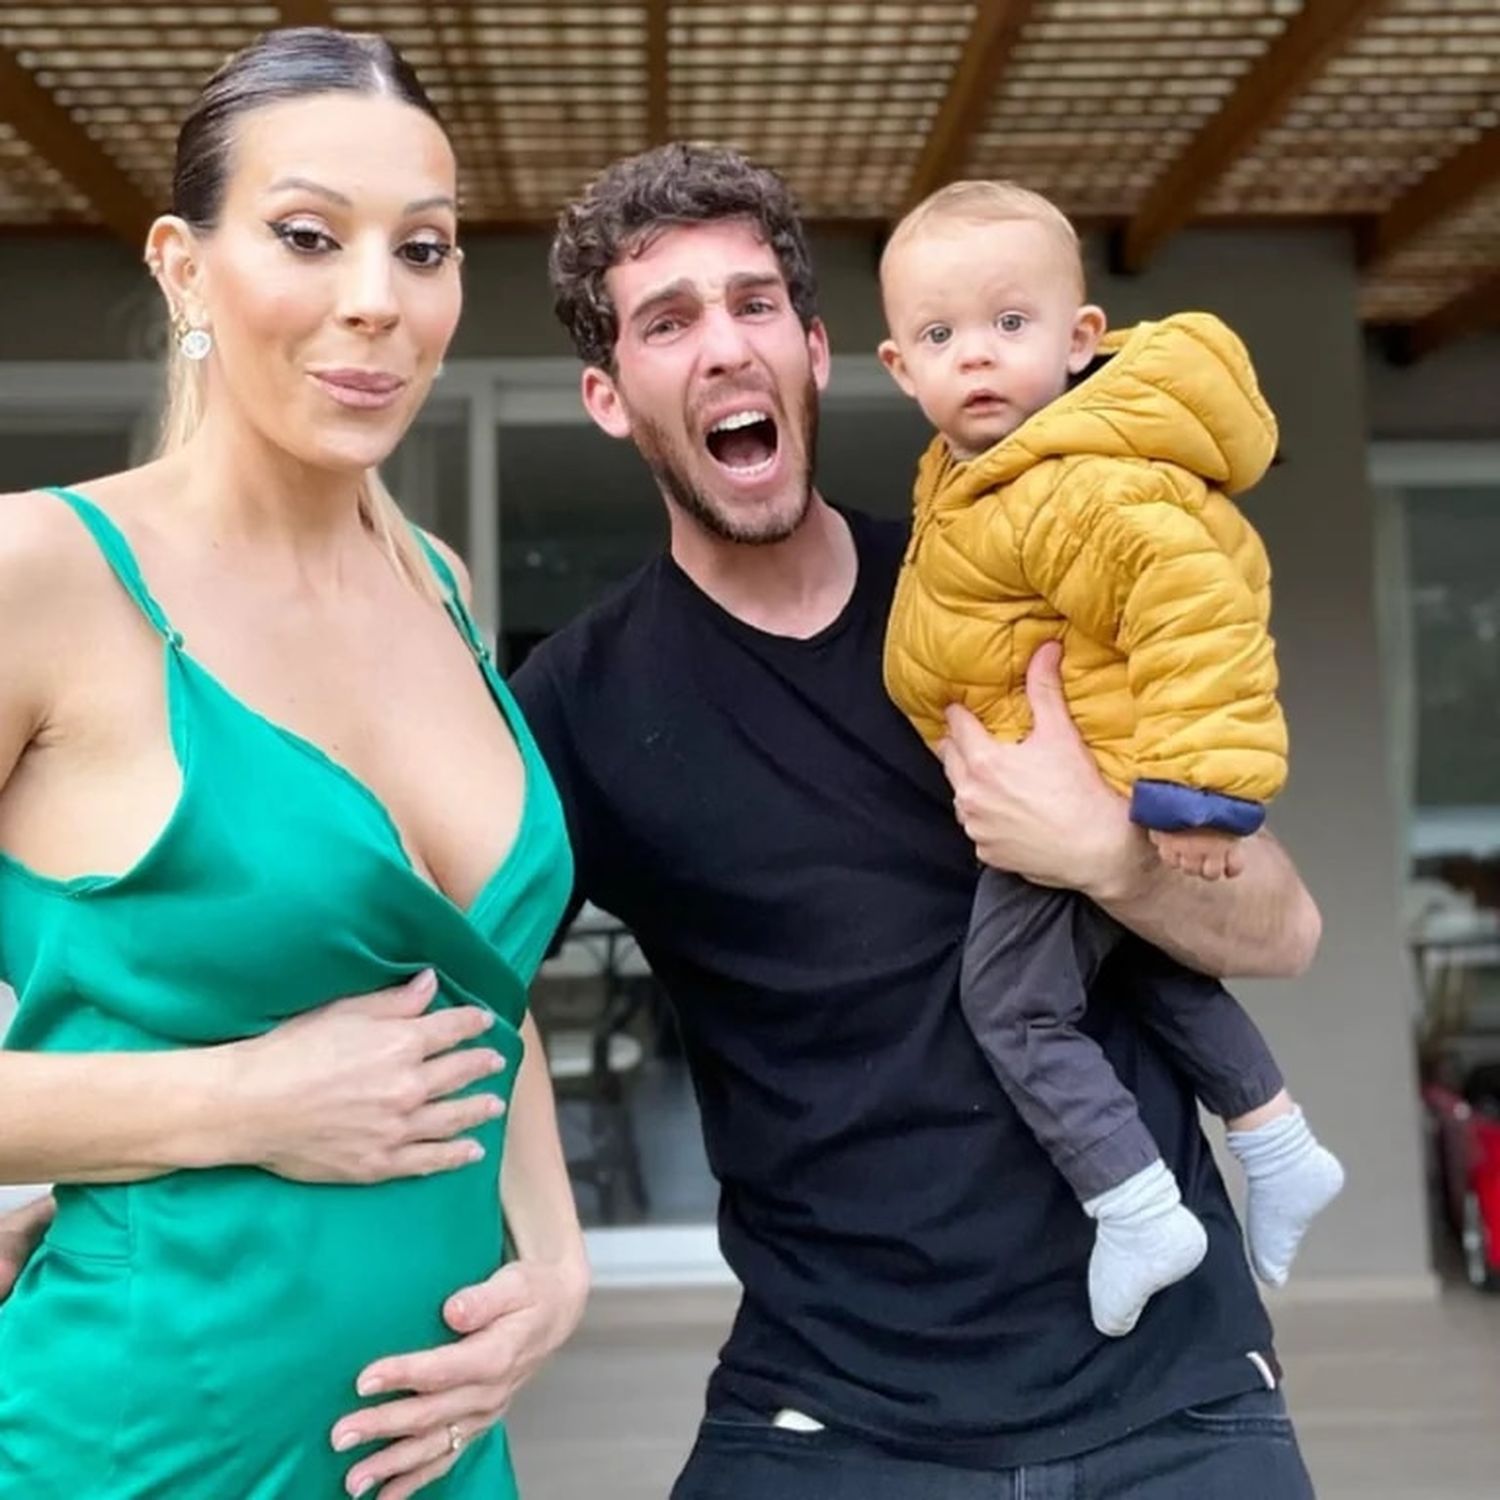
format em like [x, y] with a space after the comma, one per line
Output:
[1180, 391]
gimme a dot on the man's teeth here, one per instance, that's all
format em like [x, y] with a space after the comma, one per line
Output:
[752, 471]
[736, 420]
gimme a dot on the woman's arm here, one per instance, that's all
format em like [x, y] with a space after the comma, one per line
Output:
[68, 1115]
[355, 1091]
[540, 1213]
[110, 1117]
[352, 1092]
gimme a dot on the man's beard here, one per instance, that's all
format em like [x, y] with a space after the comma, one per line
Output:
[671, 473]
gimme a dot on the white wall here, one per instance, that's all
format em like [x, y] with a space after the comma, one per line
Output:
[1454, 393]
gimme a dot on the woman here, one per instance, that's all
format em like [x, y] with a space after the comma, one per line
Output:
[252, 756]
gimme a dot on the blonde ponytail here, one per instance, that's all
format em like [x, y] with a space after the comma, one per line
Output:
[182, 414]
[182, 407]
[384, 519]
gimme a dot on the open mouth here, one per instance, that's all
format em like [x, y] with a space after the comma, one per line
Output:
[744, 442]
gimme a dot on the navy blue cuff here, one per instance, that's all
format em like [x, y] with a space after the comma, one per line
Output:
[1170, 808]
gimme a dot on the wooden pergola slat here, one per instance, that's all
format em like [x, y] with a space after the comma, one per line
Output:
[1311, 38]
[1138, 120]
[39, 120]
[1462, 177]
[306, 12]
[991, 40]
[658, 80]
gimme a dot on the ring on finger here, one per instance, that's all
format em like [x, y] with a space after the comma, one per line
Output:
[456, 1439]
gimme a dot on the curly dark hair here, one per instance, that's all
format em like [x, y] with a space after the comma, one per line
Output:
[624, 209]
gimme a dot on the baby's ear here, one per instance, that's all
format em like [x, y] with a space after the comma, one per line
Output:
[1089, 324]
[890, 357]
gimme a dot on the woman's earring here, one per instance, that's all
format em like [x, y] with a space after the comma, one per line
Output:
[195, 344]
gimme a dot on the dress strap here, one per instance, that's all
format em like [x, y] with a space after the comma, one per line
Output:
[456, 607]
[111, 542]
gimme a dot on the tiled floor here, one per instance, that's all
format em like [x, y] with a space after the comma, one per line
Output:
[1394, 1400]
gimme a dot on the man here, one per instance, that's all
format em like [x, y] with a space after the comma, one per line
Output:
[741, 793]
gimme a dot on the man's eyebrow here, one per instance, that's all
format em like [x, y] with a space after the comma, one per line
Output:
[748, 281]
[673, 291]
[685, 288]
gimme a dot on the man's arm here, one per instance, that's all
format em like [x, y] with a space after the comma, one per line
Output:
[1041, 809]
[1264, 924]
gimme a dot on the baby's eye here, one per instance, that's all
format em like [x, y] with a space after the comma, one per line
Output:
[1011, 322]
[939, 333]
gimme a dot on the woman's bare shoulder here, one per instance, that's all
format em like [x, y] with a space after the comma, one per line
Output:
[49, 565]
[42, 546]
[48, 585]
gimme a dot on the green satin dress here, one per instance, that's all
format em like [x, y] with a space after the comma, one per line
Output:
[197, 1335]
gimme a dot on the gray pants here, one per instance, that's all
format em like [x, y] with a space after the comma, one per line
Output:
[1031, 956]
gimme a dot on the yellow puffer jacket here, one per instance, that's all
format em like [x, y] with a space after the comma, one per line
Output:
[1104, 522]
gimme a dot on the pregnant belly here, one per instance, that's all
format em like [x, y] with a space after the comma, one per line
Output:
[239, 1308]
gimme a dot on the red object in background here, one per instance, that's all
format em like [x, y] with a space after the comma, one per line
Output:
[1467, 1137]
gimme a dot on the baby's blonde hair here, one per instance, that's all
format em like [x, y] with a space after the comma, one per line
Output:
[980, 202]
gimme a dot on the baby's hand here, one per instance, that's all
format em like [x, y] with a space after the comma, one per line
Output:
[1201, 851]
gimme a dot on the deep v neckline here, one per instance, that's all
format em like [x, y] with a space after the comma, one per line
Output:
[319, 756]
[134, 581]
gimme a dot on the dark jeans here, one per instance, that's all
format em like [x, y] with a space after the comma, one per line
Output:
[1031, 955]
[1240, 1449]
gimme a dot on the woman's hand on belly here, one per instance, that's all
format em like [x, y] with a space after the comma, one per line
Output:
[358, 1091]
[507, 1327]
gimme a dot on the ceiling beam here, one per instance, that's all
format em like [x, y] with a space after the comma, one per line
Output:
[992, 38]
[1462, 177]
[1470, 312]
[55, 136]
[1257, 101]
[306, 12]
[658, 79]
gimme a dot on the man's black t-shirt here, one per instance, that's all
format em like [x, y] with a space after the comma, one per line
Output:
[784, 847]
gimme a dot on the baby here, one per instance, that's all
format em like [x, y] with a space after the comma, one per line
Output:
[1078, 491]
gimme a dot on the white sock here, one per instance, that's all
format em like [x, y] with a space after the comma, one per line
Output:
[1291, 1179]
[1146, 1241]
